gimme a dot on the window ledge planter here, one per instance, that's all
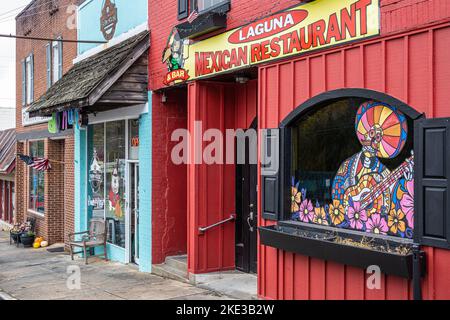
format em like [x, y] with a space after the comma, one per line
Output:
[332, 246]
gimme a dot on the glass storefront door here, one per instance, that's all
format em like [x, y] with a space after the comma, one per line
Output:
[112, 146]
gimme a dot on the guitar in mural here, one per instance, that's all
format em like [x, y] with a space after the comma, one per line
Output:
[371, 194]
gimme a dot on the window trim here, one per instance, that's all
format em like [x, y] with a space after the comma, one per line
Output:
[189, 8]
[29, 209]
[217, 5]
[55, 69]
[49, 62]
[29, 80]
[285, 144]
[52, 47]
[127, 160]
[192, 5]
[24, 82]
[36, 213]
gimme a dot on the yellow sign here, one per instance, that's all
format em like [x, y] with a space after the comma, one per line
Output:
[311, 26]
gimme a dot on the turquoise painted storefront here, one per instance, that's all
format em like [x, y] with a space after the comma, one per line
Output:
[129, 19]
[129, 16]
[83, 212]
[145, 168]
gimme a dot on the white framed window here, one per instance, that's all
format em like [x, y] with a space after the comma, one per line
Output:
[27, 80]
[56, 63]
[36, 179]
[205, 5]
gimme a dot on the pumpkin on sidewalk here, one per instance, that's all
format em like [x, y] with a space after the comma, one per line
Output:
[38, 242]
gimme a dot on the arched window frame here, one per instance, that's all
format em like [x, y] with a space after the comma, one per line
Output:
[284, 174]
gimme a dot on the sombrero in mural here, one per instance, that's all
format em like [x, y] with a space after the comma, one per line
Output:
[382, 127]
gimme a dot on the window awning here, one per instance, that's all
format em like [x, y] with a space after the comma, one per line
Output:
[115, 76]
[7, 151]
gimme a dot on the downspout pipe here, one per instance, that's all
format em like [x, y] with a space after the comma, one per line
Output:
[417, 271]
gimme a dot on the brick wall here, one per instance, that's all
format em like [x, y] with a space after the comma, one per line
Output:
[46, 19]
[58, 219]
[54, 189]
[396, 15]
[38, 20]
[69, 185]
[20, 185]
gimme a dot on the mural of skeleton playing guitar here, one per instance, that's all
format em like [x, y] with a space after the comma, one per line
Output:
[366, 195]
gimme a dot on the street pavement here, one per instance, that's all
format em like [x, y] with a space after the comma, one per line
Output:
[36, 274]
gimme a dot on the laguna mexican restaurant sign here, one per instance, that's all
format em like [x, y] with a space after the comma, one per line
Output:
[307, 27]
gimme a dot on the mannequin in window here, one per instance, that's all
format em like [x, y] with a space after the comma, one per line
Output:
[115, 201]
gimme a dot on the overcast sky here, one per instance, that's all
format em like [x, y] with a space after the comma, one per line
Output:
[8, 10]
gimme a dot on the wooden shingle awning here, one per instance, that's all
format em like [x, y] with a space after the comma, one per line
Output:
[117, 76]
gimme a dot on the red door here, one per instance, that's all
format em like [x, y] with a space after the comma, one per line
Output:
[8, 202]
[2, 197]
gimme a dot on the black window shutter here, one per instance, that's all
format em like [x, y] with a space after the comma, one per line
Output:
[183, 9]
[432, 182]
[270, 174]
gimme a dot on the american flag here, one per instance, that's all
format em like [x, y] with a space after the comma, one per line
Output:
[192, 16]
[40, 164]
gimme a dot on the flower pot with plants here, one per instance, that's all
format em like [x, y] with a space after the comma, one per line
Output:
[19, 229]
[15, 236]
[27, 239]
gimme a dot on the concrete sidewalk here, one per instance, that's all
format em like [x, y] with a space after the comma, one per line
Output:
[36, 274]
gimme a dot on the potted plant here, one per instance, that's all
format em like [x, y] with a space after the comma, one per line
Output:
[27, 239]
[19, 229]
[15, 232]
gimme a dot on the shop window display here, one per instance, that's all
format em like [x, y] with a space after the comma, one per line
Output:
[133, 136]
[352, 168]
[36, 180]
[96, 170]
[107, 159]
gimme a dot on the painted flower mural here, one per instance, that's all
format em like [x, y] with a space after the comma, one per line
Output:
[357, 216]
[396, 222]
[377, 224]
[407, 203]
[306, 212]
[320, 215]
[296, 199]
[337, 213]
[366, 195]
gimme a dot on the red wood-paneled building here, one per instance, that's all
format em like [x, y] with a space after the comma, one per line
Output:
[7, 168]
[312, 74]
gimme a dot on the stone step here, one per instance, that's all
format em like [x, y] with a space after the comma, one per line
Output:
[178, 262]
[235, 284]
[168, 272]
